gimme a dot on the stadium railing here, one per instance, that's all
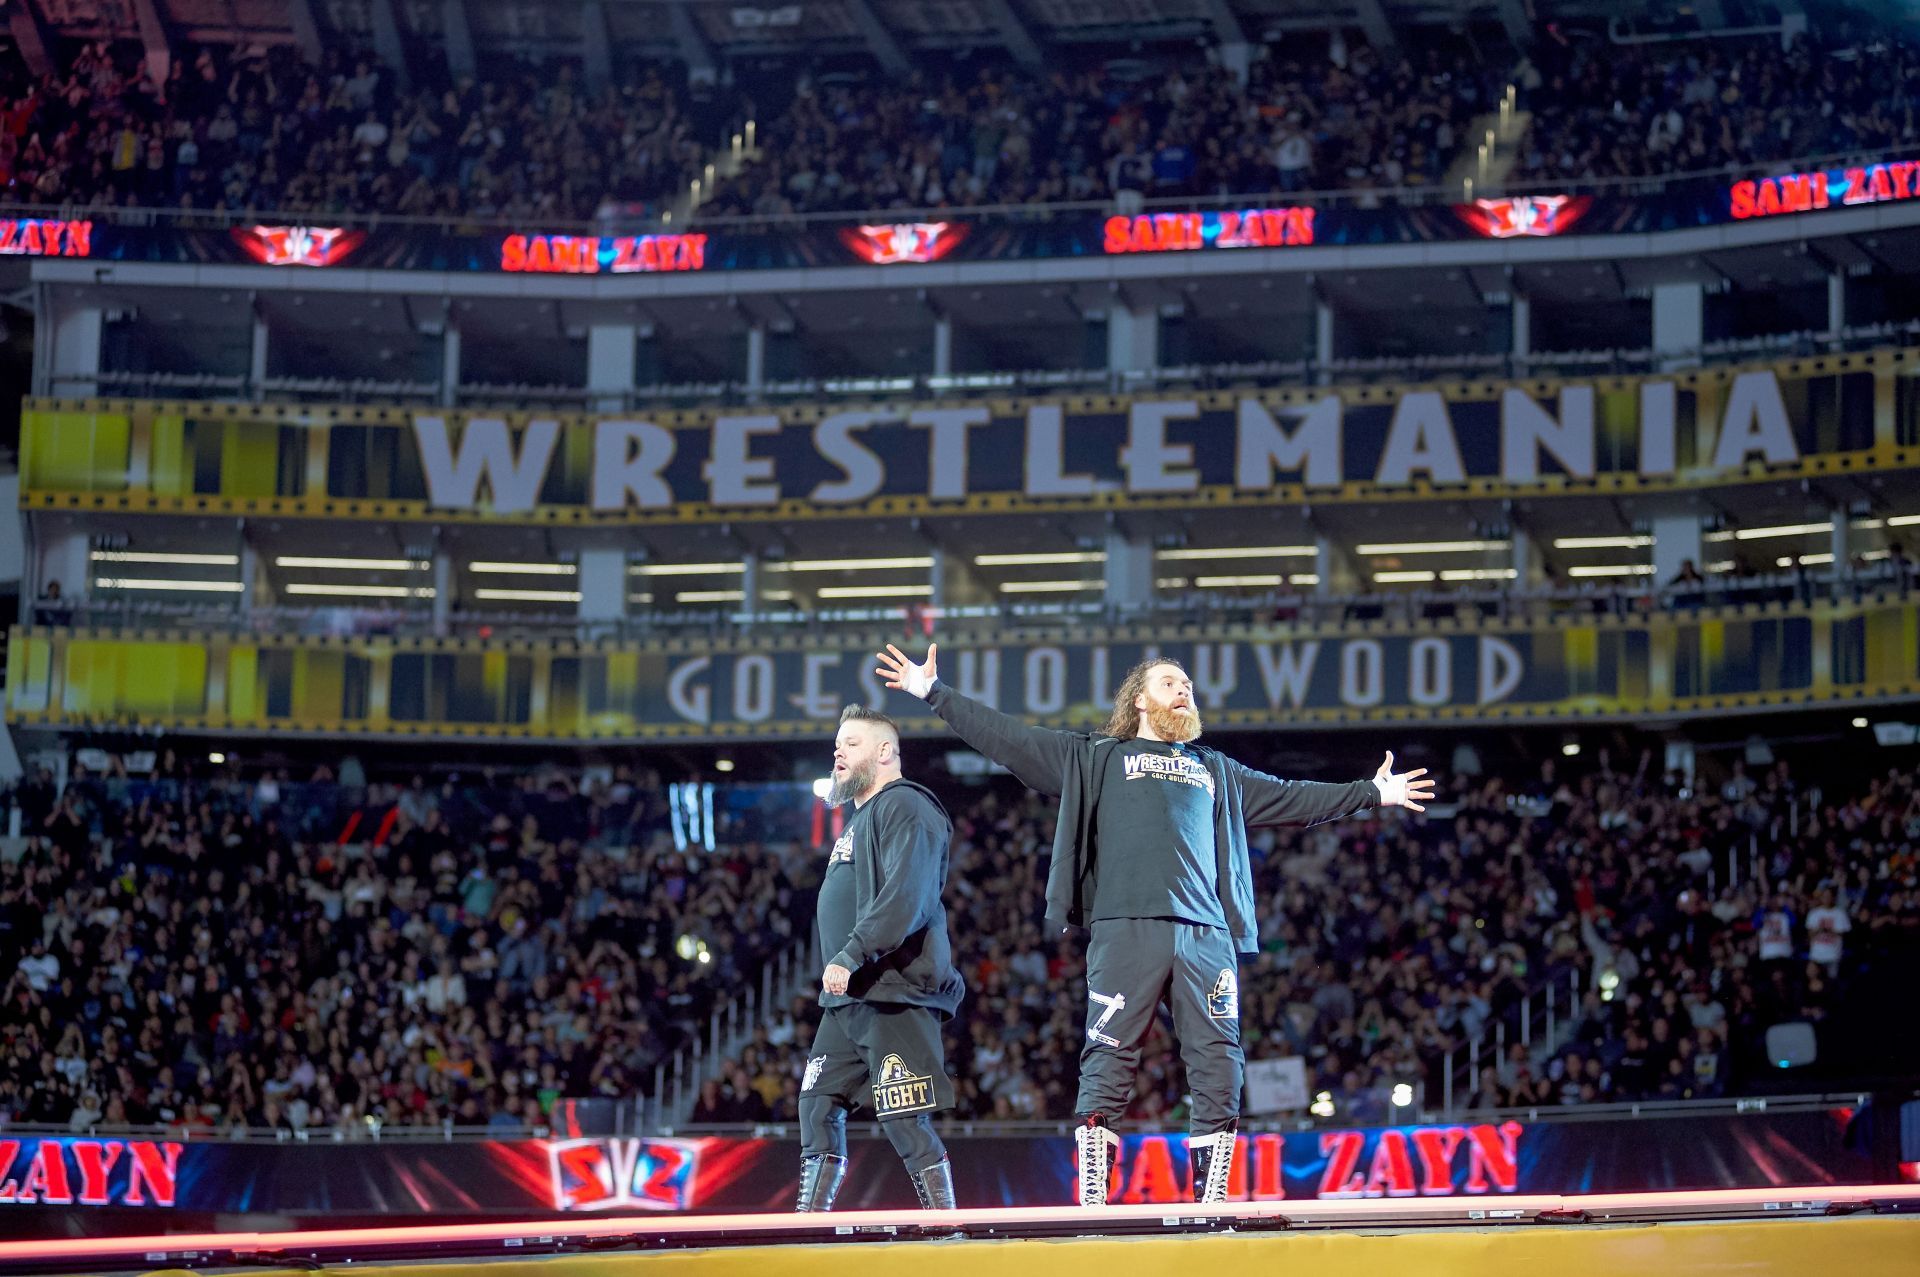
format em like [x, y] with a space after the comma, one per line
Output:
[1404, 196]
[1186, 612]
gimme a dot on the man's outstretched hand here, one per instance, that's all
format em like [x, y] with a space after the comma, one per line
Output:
[903, 675]
[1403, 789]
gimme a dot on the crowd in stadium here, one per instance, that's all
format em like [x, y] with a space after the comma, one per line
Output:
[194, 951]
[1612, 111]
[261, 130]
[205, 952]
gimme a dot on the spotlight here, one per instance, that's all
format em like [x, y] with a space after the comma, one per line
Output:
[723, 765]
[822, 787]
[217, 758]
[1571, 748]
[1859, 722]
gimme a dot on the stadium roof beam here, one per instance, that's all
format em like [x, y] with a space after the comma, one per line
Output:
[694, 49]
[155, 38]
[1014, 34]
[596, 44]
[30, 33]
[306, 31]
[1519, 28]
[879, 40]
[387, 44]
[459, 38]
[1226, 23]
[1373, 20]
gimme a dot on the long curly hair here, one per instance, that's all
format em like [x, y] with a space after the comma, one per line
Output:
[1124, 724]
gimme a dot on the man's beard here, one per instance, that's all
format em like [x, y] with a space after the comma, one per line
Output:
[1171, 725]
[851, 784]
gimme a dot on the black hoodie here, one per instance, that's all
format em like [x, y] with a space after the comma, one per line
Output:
[880, 914]
[1071, 766]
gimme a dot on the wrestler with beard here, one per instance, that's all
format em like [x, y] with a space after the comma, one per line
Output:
[1150, 856]
[890, 983]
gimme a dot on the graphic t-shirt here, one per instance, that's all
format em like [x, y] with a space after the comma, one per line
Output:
[1155, 831]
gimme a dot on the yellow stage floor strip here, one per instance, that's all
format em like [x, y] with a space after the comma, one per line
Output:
[1857, 1247]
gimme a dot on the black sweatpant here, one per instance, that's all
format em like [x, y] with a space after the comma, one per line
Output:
[1133, 964]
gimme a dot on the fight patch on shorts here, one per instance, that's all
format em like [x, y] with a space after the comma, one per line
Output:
[814, 1066]
[898, 1091]
[1224, 1002]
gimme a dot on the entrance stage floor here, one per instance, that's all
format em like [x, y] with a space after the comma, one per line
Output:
[1864, 1231]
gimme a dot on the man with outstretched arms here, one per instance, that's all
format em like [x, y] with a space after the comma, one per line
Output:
[1150, 854]
[889, 979]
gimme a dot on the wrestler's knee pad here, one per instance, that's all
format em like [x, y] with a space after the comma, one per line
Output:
[823, 1126]
[913, 1138]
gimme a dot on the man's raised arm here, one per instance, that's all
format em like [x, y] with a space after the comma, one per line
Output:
[1269, 800]
[1038, 756]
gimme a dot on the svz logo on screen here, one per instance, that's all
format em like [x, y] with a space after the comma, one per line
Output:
[612, 1174]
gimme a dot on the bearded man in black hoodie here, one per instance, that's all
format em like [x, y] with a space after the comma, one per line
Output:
[890, 981]
[1150, 856]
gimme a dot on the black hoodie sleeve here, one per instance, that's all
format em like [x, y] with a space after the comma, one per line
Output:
[910, 835]
[1038, 756]
[1269, 800]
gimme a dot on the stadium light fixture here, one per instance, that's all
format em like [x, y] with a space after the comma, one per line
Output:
[1479, 574]
[1860, 722]
[1613, 569]
[1571, 749]
[523, 569]
[1243, 552]
[528, 596]
[164, 583]
[364, 565]
[1903, 520]
[729, 596]
[360, 591]
[723, 764]
[1034, 559]
[156, 556]
[875, 591]
[216, 758]
[1429, 547]
[1047, 587]
[1602, 543]
[1777, 530]
[851, 565]
[1413, 577]
[1402, 1095]
[1232, 582]
[685, 569]
[822, 787]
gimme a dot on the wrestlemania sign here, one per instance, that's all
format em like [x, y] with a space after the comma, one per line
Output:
[1659, 664]
[717, 1173]
[1361, 443]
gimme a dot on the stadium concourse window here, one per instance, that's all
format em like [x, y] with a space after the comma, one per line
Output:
[188, 945]
[1678, 922]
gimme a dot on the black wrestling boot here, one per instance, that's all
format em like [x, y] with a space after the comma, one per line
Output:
[820, 1176]
[935, 1186]
[1212, 1160]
